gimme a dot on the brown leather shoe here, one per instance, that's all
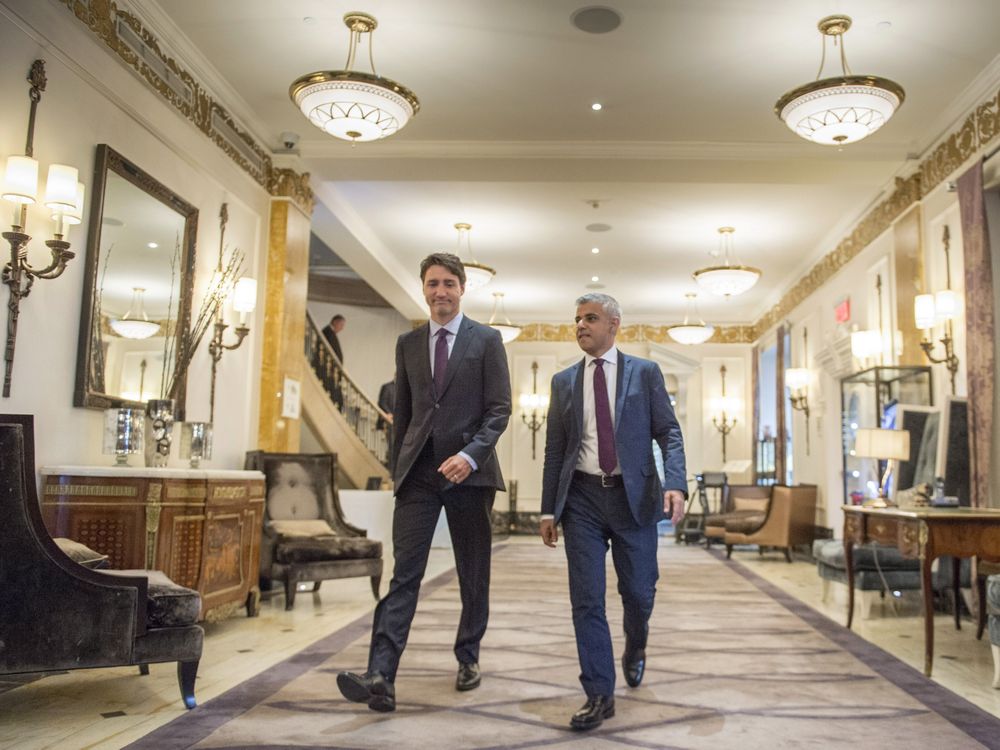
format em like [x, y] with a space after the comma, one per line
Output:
[593, 713]
[371, 688]
[468, 676]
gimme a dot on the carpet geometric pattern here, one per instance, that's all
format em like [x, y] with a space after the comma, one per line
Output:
[732, 662]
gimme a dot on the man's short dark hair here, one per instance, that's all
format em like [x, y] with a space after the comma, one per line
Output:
[446, 260]
[337, 317]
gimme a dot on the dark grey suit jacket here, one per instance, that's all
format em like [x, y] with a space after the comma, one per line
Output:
[642, 414]
[469, 415]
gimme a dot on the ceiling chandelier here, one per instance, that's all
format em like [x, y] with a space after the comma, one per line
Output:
[687, 332]
[842, 109]
[728, 279]
[476, 274]
[135, 324]
[507, 330]
[352, 105]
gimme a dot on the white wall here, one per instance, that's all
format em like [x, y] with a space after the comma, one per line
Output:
[91, 98]
[368, 341]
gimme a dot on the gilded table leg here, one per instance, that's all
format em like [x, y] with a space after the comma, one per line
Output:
[849, 561]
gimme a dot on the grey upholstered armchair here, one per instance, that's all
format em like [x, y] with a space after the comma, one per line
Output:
[305, 535]
[58, 615]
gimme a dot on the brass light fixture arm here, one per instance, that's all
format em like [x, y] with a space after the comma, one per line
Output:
[17, 274]
[725, 425]
[536, 422]
[950, 359]
[800, 401]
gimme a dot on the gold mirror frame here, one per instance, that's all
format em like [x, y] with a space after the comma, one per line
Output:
[89, 391]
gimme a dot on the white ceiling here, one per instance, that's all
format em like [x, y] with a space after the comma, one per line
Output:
[506, 140]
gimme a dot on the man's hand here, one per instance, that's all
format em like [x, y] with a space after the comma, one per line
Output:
[455, 469]
[550, 534]
[673, 505]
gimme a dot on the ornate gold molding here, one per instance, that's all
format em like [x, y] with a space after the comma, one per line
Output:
[102, 17]
[287, 183]
[90, 490]
[632, 334]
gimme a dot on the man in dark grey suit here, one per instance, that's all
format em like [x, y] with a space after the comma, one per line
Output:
[600, 481]
[452, 405]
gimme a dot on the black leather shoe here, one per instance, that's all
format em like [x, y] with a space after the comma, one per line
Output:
[593, 712]
[468, 677]
[634, 666]
[371, 688]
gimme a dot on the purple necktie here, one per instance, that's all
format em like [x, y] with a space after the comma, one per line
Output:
[440, 360]
[606, 456]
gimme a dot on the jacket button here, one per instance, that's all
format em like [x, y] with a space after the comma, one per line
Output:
[437, 406]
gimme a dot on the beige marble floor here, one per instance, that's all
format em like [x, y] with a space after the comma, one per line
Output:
[65, 711]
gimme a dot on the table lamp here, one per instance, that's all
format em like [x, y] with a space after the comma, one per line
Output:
[885, 445]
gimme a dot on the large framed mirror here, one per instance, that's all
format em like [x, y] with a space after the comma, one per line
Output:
[137, 288]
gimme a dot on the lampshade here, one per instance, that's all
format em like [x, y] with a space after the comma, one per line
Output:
[946, 304]
[730, 278]
[60, 188]
[477, 275]
[882, 444]
[866, 344]
[923, 311]
[73, 214]
[507, 330]
[352, 105]
[842, 109]
[797, 378]
[245, 295]
[135, 324]
[20, 180]
[689, 333]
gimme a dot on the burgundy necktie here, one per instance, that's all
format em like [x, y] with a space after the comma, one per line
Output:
[440, 360]
[606, 456]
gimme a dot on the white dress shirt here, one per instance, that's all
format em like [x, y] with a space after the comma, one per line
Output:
[588, 461]
[452, 327]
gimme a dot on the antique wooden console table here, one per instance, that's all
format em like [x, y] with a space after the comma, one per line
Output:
[927, 533]
[200, 527]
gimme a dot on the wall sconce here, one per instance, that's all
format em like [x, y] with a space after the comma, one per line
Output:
[534, 403]
[870, 345]
[63, 195]
[723, 405]
[884, 445]
[244, 297]
[940, 307]
[797, 379]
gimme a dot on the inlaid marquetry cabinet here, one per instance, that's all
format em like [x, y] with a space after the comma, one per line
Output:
[202, 528]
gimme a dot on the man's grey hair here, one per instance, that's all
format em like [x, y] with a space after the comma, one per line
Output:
[606, 301]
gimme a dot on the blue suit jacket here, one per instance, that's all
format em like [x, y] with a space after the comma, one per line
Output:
[642, 414]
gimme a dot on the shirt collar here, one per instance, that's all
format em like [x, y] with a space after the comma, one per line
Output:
[452, 326]
[610, 357]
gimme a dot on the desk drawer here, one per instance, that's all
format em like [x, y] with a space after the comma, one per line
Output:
[883, 530]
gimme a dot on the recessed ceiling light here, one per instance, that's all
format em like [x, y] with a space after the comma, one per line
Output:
[309, 20]
[595, 278]
[152, 245]
[597, 106]
[595, 250]
[596, 19]
[598, 227]
[883, 25]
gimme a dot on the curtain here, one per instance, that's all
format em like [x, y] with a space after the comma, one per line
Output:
[782, 431]
[980, 353]
[755, 390]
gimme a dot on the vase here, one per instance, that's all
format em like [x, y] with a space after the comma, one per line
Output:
[123, 431]
[159, 431]
[196, 442]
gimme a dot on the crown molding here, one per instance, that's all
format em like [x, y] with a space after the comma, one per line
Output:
[399, 148]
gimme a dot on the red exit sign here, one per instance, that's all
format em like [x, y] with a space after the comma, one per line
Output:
[842, 310]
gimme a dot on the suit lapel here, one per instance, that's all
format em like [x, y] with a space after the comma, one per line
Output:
[458, 351]
[422, 343]
[621, 388]
[578, 396]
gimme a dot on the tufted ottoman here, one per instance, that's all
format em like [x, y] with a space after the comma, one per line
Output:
[899, 574]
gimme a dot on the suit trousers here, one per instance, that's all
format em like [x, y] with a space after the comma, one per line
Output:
[595, 517]
[418, 506]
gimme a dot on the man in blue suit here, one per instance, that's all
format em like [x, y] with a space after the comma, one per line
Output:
[600, 482]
